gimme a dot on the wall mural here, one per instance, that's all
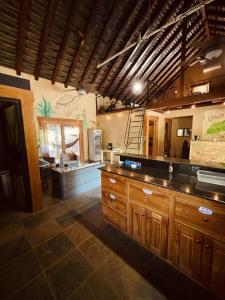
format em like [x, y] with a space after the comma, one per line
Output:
[45, 108]
[68, 103]
[214, 123]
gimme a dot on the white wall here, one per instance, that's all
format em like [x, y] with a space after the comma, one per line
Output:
[63, 103]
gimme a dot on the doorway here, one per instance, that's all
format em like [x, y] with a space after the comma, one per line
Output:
[15, 190]
[177, 137]
[151, 135]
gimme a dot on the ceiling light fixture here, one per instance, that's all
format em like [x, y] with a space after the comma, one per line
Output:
[137, 87]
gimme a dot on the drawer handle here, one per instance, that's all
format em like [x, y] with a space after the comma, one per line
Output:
[208, 246]
[198, 241]
[205, 211]
[112, 180]
[147, 192]
[206, 219]
[112, 197]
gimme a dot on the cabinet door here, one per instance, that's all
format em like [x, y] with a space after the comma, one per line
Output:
[187, 250]
[137, 222]
[156, 233]
[217, 281]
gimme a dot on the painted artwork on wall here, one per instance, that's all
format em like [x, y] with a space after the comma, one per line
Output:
[45, 108]
[68, 103]
[214, 124]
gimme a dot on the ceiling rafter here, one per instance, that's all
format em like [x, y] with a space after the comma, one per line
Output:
[24, 11]
[172, 62]
[76, 56]
[135, 32]
[143, 47]
[104, 27]
[65, 37]
[124, 23]
[52, 4]
[161, 37]
[204, 17]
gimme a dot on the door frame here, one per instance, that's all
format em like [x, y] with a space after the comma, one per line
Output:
[155, 120]
[26, 99]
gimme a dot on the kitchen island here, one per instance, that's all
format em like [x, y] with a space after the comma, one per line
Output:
[70, 182]
[176, 217]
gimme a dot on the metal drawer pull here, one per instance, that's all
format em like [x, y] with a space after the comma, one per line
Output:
[112, 197]
[205, 211]
[112, 180]
[147, 192]
[206, 219]
[198, 241]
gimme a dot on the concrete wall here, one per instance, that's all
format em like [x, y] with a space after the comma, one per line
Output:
[61, 103]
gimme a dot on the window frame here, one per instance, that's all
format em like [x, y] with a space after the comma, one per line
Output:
[44, 121]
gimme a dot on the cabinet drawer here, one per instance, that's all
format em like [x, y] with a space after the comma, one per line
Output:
[115, 218]
[114, 201]
[115, 183]
[201, 216]
[155, 198]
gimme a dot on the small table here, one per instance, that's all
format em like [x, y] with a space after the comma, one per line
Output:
[111, 154]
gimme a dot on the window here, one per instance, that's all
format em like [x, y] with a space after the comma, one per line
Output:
[62, 135]
[200, 89]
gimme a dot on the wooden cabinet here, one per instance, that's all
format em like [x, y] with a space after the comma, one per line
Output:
[149, 229]
[187, 250]
[217, 279]
[155, 198]
[190, 211]
[137, 223]
[157, 218]
[156, 235]
[201, 257]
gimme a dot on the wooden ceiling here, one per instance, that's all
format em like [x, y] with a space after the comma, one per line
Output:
[64, 40]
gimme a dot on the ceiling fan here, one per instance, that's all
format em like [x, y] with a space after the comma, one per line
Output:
[210, 50]
[84, 88]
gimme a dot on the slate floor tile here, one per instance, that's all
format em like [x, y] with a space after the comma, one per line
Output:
[126, 281]
[16, 274]
[38, 289]
[43, 232]
[50, 251]
[78, 233]
[36, 219]
[13, 249]
[95, 251]
[95, 288]
[67, 219]
[68, 273]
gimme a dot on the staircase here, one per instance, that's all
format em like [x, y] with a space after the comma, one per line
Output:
[134, 130]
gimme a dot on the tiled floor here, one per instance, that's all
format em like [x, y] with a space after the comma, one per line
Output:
[68, 251]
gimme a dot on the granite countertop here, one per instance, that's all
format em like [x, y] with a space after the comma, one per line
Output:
[176, 160]
[178, 182]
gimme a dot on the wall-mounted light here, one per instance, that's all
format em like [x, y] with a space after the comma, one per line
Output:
[212, 68]
[168, 111]
[137, 87]
[193, 106]
[224, 103]
[108, 117]
[175, 91]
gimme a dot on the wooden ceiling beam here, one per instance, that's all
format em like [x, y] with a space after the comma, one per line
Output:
[169, 69]
[172, 59]
[183, 50]
[76, 56]
[119, 59]
[52, 4]
[145, 49]
[205, 20]
[126, 19]
[105, 26]
[67, 30]
[24, 12]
